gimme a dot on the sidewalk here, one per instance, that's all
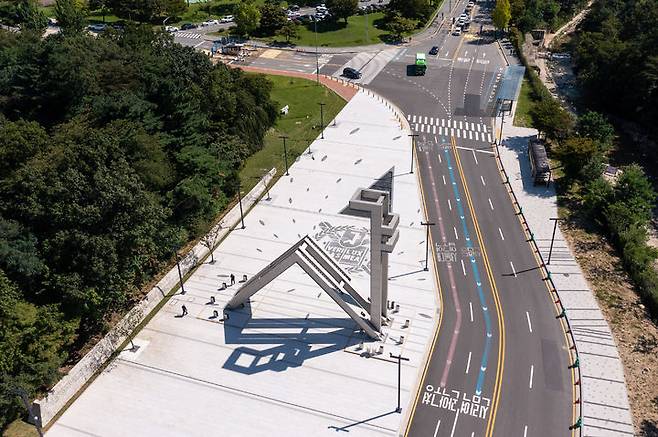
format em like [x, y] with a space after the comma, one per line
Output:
[604, 405]
[290, 362]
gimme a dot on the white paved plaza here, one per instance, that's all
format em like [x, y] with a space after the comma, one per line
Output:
[289, 363]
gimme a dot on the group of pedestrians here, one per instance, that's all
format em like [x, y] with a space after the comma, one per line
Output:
[212, 298]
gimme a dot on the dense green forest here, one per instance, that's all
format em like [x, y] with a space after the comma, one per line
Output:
[616, 60]
[547, 14]
[614, 66]
[116, 150]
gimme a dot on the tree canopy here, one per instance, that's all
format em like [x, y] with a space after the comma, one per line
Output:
[115, 151]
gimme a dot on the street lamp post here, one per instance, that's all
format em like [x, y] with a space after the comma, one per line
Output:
[413, 146]
[321, 121]
[317, 55]
[34, 417]
[285, 152]
[427, 240]
[400, 358]
[240, 202]
[550, 251]
[180, 274]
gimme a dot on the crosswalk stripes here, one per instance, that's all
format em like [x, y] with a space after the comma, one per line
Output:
[190, 35]
[458, 128]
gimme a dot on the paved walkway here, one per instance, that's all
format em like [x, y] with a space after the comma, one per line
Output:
[605, 407]
[291, 362]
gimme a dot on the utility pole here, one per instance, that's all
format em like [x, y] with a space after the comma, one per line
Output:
[285, 152]
[413, 146]
[321, 122]
[400, 358]
[240, 202]
[427, 240]
[550, 251]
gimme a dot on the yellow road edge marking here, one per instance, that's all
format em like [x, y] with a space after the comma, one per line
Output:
[459, 46]
[574, 395]
[501, 318]
[440, 293]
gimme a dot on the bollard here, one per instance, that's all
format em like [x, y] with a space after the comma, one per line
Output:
[563, 313]
[406, 324]
[381, 349]
[212, 299]
[397, 308]
[401, 339]
[223, 285]
[215, 314]
[359, 346]
[244, 278]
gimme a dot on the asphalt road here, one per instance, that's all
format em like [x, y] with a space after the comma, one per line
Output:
[499, 363]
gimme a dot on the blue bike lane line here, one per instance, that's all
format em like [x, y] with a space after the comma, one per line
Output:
[476, 275]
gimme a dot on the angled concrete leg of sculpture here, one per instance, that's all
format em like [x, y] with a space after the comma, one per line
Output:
[322, 269]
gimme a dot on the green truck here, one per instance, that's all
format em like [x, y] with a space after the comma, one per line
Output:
[421, 64]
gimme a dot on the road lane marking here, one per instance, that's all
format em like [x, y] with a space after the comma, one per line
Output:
[436, 430]
[468, 363]
[491, 423]
[463, 268]
[476, 274]
[513, 270]
[532, 372]
[440, 162]
[501, 234]
[456, 236]
[470, 306]
[490, 204]
[449, 205]
[454, 425]
[529, 324]
[525, 431]
[444, 179]
[482, 179]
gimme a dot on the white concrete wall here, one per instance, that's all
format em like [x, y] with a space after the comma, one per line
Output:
[85, 369]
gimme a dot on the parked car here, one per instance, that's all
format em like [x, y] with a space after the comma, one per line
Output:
[210, 22]
[188, 26]
[457, 31]
[294, 8]
[171, 29]
[97, 27]
[434, 50]
[227, 19]
[351, 73]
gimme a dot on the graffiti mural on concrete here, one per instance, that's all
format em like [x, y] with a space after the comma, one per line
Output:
[349, 245]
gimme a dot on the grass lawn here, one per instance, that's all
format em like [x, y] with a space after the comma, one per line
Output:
[301, 125]
[524, 105]
[338, 34]
[18, 428]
